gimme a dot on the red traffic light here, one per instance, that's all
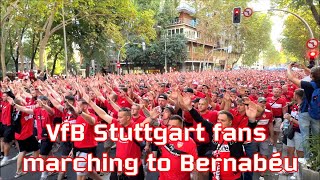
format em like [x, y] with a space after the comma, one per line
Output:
[236, 15]
[313, 54]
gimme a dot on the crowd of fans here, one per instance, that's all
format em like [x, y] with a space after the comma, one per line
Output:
[277, 100]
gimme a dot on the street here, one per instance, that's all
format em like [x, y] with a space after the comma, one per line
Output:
[8, 172]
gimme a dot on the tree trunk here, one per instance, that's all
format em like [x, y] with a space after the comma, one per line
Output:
[34, 51]
[42, 49]
[2, 56]
[314, 11]
[45, 38]
[20, 56]
[55, 61]
[87, 69]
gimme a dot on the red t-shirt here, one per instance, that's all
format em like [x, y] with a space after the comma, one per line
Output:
[268, 95]
[217, 108]
[253, 97]
[264, 120]
[276, 106]
[26, 127]
[200, 94]
[211, 116]
[89, 134]
[138, 119]
[6, 113]
[224, 153]
[123, 102]
[287, 96]
[175, 172]
[111, 111]
[67, 116]
[127, 149]
[42, 118]
[239, 121]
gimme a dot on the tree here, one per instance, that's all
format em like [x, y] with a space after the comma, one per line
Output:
[8, 9]
[248, 39]
[310, 6]
[91, 24]
[295, 35]
[175, 50]
[273, 57]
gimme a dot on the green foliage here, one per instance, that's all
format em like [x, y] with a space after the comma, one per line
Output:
[248, 39]
[273, 57]
[255, 33]
[314, 160]
[296, 35]
[92, 25]
[154, 55]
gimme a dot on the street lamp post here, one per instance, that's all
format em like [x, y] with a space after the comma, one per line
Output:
[65, 41]
[165, 54]
[118, 62]
[165, 51]
[301, 19]
[228, 49]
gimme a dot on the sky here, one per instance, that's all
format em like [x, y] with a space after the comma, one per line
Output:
[277, 20]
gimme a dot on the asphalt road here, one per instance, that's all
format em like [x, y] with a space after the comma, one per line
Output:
[7, 172]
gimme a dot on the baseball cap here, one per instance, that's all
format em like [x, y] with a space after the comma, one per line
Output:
[240, 101]
[233, 90]
[195, 83]
[262, 99]
[190, 90]
[45, 98]
[170, 109]
[196, 100]
[163, 96]
[71, 98]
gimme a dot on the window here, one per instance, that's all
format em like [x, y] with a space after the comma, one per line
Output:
[177, 31]
[181, 30]
[198, 34]
[172, 31]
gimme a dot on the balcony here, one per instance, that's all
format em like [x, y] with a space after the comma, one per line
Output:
[179, 21]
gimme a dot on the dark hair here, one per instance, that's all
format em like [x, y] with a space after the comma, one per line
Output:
[83, 101]
[228, 114]
[126, 110]
[315, 72]
[299, 92]
[71, 98]
[215, 92]
[115, 97]
[176, 117]
[18, 101]
[124, 89]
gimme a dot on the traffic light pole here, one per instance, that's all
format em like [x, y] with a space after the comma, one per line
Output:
[302, 20]
[299, 17]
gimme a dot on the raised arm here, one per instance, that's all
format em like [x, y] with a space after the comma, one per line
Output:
[291, 77]
[55, 103]
[20, 108]
[100, 112]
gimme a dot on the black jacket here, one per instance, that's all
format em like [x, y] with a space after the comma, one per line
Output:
[236, 150]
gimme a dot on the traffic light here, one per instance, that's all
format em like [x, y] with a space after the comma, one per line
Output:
[236, 18]
[313, 54]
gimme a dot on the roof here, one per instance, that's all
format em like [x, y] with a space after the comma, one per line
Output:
[184, 7]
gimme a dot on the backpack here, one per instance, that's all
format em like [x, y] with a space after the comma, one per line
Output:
[314, 106]
[16, 121]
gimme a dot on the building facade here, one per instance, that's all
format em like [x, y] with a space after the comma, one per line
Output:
[202, 53]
